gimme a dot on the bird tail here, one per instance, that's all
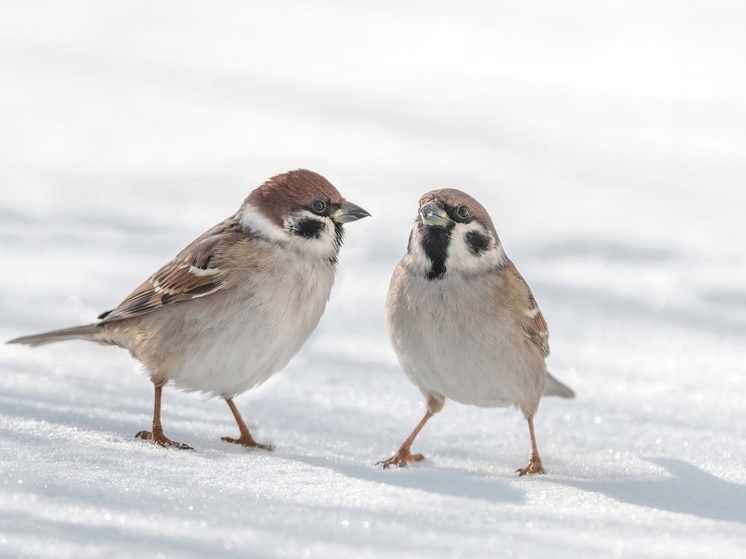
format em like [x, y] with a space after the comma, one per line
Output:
[90, 332]
[553, 387]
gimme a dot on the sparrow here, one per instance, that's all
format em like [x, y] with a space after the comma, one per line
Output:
[233, 307]
[462, 320]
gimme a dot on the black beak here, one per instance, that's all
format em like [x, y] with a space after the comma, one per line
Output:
[349, 212]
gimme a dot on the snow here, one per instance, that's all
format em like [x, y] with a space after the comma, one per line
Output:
[607, 141]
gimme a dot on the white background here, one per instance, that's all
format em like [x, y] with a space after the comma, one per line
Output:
[607, 141]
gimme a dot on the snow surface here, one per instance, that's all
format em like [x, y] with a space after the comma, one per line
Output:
[606, 139]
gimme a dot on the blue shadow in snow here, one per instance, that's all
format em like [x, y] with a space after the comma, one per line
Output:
[446, 482]
[688, 490]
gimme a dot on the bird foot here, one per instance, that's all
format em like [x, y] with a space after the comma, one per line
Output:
[401, 459]
[160, 439]
[248, 442]
[534, 467]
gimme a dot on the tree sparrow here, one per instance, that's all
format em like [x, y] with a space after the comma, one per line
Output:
[462, 320]
[232, 308]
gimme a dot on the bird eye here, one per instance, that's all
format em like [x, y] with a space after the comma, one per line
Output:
[319, 206]
[463, 212]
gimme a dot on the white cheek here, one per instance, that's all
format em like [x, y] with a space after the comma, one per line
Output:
[461, 259]
[252, 219]
[324, 246]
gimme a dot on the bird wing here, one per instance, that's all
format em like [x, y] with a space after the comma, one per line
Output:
[194, 272]
[534, 325]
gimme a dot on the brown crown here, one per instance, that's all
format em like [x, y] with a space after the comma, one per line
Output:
[454, 198]
[279, 195]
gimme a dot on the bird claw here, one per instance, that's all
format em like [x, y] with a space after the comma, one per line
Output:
[161, 440]
[534, 467]
[401, 459]
[248, 442]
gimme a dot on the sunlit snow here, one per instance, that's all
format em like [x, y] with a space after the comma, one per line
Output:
[607, 139]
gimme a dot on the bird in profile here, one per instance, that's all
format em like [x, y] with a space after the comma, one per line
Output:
[234, 306]
[462, 320]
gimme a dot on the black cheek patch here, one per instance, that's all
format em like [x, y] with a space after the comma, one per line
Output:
[308, 228]
[477, 242]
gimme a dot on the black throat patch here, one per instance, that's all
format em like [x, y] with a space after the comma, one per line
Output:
[435, 242]
[339, 236]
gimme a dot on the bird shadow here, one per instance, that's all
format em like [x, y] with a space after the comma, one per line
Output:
[447, 482]
[687, 490]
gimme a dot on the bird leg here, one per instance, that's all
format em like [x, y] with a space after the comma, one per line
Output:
[534, 463]
[245, 439]
[404, 457]
[156, 435]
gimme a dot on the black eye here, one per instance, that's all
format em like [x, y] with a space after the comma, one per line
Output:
[319, 206]
[463, 212]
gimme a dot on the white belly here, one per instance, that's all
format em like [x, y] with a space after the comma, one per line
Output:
[450, 344]
[249, 340]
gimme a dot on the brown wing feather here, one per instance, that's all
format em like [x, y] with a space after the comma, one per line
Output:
[194, 272]
[537, 331]
[533, 321]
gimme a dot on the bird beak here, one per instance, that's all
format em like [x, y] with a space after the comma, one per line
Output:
[349, 212]
[432, 214]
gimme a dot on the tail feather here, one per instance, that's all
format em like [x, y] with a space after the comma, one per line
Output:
[88, 332]
[553, 387]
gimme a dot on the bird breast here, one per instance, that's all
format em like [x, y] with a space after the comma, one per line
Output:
[453, 339]
[237, 338]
